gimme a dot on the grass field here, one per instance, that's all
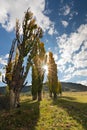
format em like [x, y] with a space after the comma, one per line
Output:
[68, 112]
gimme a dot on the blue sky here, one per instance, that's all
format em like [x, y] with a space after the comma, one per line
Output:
[64, 23]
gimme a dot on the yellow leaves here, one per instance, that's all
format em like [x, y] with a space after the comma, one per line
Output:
[32, 22]
[41, 52]
[28, 14]
[9, 66]
[17, 55]
[9, 76]
[50, 54]
[42, 45]
[9, 71]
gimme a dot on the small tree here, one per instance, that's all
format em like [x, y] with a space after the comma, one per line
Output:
[23, 46]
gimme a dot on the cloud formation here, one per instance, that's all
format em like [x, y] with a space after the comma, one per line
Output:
[11, 10]
[3, 62]
[64, 23]
[73, 53]
[65, 10]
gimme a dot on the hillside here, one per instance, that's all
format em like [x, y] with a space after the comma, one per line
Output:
[72, 87]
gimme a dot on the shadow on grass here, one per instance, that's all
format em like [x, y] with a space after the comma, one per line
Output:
[68, 98]
[77, 110]
[23, 118]
[4, 102]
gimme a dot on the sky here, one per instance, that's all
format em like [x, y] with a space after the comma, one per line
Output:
[64, 23]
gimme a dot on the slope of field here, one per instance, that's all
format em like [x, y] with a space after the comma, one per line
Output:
[68, 112]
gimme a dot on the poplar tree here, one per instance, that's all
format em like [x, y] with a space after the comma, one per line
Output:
[52, 75]
[38, 72]
[24, 46]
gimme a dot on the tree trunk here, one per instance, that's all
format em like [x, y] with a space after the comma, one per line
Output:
[50, 94]
[55, 96]
[17, 99]
[12, 99]
[34, 97]
[39, 96]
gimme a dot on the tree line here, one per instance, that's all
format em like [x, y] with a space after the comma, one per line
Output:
[27, 51]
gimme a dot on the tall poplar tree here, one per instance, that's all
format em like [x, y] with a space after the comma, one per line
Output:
[24, 46]
[38, 72]
[52, 75]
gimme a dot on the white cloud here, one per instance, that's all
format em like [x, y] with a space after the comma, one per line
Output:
[70, 44]
[80, 72]
[49, 49]
[83, 82]
[3, 59]
[3, 62]
[72, 14]
[6, 56]
[80, 63]
[51, 30]
[55, 57]
[73, 51]
[66, 10]
[10, 10]
[2, 74]
[60, 65]
[70, 70]
[67, 77]
[64, 23]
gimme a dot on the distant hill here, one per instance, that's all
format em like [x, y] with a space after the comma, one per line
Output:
[65, 87]
[73, 87]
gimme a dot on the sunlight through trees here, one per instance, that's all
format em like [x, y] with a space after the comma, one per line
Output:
[38, 72]
[27, 51]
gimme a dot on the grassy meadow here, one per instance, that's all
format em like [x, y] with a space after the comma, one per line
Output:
[68, 112]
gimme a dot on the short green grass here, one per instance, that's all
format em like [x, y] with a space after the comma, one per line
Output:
[68, 112]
